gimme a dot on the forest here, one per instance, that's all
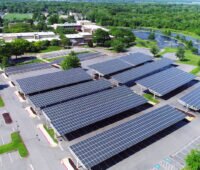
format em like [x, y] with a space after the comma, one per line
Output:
[178, 17]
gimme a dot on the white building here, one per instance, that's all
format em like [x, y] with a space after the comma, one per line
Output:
[30, 36]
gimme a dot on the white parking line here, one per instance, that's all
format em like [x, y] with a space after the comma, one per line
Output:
[10, 157]
[31, 166]
[1, 163]
[2, 140]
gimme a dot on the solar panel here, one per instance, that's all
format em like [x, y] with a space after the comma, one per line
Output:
[52, 80]
[94, 150]
[26, 68]
[67, 117]
[192, 99]
[166, 81]
[88, 56]
[129, 77]
[136, 59]
[42, 100]
[110, 67]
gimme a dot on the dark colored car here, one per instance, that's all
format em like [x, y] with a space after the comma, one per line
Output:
[7, 118]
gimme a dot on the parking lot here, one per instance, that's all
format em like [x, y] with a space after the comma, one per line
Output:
[163, 153]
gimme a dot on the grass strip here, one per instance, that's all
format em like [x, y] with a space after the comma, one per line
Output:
[51, 132]
[150, 98]
[16, 144]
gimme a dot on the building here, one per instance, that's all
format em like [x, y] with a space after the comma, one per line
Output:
[92, 28]
[75, 26]
[30, 36]
[79, 38]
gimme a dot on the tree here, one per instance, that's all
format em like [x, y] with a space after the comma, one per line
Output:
[101, 37]
[118, 45]
[70, 61]
[155, 50]
[198, 63]
[55, 42]
[19, 46]
[53, 19]
[151, 36]
[90, 43]
[65, 42]
[125, 35]
[193, 160]
[180, 54]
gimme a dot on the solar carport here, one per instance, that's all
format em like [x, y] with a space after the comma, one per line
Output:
[130, 76]
[136, 59]
[103, 146]
[53, 97]
[26, 68]
[192, 99]
[76, 114]
[110, 67]
[166, 81]
[37, 84]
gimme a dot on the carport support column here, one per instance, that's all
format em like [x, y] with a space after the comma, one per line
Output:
[77, 163]
[154, 96]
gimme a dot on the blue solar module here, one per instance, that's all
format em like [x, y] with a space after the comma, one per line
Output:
[94, 150]
[88, 56]
[110, 67]
[192, 99]
[67, 117]
[26, 68]
[136, 59]
[49, 81]
[166, 81]
[129, 77]
[42, 100]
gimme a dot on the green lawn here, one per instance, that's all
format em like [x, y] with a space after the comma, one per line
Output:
[17, 16]
[51, 132]
[190, 58]
[145, 43]
[195, 71]
[37, 60]
[51, 48]
[168, 50]
[150, 98]
[1, 102]
[16, 144]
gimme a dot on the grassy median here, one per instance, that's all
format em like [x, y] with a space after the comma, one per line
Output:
[1, 102]
[16, 144]
[51, 133]
[150, 98]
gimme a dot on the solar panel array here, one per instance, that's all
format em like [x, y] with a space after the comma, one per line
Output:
[55, 54]
[26, 68]
[110, 66]
[192, 99]
[52, 80]
[88, 56]
[166, 81]
[67, 117]
[136, 59]
[129, 77]
[42, 100]
[103, 146]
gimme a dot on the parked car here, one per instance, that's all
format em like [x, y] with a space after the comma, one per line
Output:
[7, 118]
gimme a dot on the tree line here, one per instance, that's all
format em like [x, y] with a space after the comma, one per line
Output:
[178, 17]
